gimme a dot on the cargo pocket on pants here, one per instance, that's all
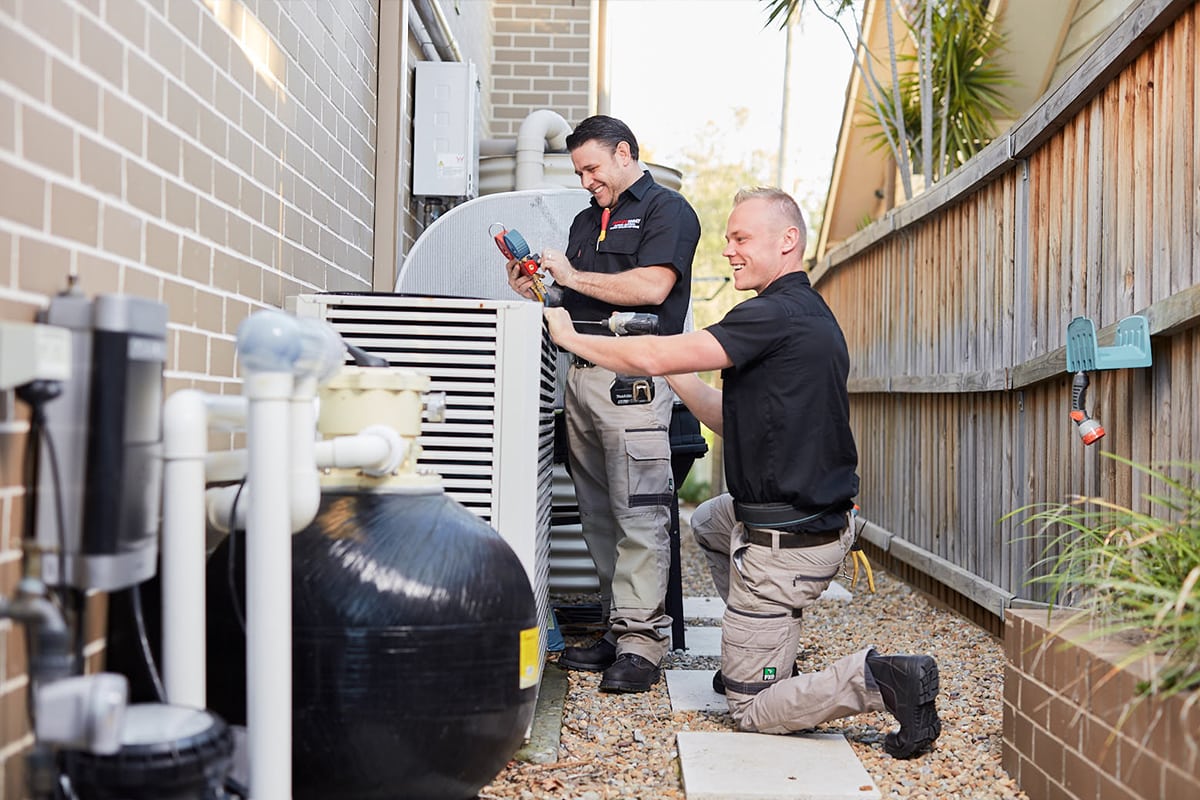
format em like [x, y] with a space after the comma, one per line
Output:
[649, 463]
[754, 650]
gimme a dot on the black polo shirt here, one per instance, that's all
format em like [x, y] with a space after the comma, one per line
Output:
[786, 410]
[650, 225]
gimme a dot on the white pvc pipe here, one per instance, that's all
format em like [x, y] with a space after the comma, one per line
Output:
[540, 129]
[268, 589]
[305, 483]
[186, 418]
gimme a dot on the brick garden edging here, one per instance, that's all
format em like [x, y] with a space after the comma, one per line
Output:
[1060, 722]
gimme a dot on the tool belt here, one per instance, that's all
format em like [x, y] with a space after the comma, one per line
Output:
[786, 540]
[581, 363]
[785, 517]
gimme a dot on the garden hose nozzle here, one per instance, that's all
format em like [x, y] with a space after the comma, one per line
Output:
[1090, 430]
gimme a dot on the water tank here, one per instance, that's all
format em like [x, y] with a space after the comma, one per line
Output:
[415, 648]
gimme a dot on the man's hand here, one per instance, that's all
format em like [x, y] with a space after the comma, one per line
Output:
[556, 263]
[559, 323]
[520, 281]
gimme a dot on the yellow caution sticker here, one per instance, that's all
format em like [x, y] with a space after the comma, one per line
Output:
[529, 658]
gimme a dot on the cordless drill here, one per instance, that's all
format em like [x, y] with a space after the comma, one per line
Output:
[627, 323]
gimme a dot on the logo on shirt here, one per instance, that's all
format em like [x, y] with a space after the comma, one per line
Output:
[626, 224]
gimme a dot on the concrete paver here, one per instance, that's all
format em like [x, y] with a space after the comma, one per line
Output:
[691, 690]
[755, 766]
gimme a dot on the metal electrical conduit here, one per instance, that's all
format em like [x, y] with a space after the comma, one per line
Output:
[432, 29]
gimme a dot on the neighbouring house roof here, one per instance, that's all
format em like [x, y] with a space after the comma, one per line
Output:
[1044, 40]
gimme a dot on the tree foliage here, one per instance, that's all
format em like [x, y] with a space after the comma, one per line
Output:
[945, 95]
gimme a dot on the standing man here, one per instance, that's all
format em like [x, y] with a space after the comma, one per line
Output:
[631, 249]
[779, 537]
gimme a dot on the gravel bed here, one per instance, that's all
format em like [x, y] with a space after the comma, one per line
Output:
[622, 747]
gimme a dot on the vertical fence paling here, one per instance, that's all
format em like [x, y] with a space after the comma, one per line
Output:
[1098, 221]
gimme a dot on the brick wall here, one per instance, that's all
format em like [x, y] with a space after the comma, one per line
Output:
[1068, 728]
[215, 155]
[541, 59]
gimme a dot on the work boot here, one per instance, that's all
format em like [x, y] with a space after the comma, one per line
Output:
[719, 679]
[629, 673]
[597, 658]
[908, 685]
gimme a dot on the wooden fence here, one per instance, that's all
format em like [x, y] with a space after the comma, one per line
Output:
[955, 308]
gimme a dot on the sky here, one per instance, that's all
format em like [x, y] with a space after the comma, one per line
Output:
[677, 64]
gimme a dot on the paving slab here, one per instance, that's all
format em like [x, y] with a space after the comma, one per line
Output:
[708, 609]
[757, 766]
[702, 641]
[546, 728]
[691, 690]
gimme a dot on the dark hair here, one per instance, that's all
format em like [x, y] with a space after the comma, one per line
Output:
[609, 130]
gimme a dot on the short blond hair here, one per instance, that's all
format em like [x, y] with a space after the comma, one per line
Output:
[782, 202]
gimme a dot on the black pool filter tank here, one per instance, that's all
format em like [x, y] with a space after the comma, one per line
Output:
[415, 648]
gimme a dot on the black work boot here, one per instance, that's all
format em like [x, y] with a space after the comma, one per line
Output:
[909, 685]
[629, 673]
[597, 658]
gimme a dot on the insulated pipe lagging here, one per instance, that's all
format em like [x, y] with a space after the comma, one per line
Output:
[541, 130]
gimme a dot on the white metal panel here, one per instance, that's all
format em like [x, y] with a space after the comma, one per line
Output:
[498, 369]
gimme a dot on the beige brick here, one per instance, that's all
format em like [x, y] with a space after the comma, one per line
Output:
[52, 20]
[74, 215]
[129, 20]
[102, 52]
[210, 310]
[214, 41]
[164, 46]
[179, 204]
[8, 123]
[222, 357]
[162, 248]
[42, 267]
[123, 123]
[211, 130]
[195, 261]
[22, 63]
[121, 233]
[47, 142]
[98, 274]
[197, 168]
[146, 83]
[226, 184]
[73, 94]
[142, 283]
[182, 109]
[23, 198]
[210, 221]
[181, 301]
[6, 262]
[143, 188]
[99, 167]
[198, 75]
[185, 17]
[162, 146]
[192, 353]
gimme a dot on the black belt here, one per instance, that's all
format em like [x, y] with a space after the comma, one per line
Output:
[786, 540]
[582, 363]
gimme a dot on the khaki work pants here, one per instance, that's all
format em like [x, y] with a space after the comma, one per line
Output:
[621, 466]
[765, 589]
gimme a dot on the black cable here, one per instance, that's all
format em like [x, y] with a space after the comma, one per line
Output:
[160, 691]
[231, 573]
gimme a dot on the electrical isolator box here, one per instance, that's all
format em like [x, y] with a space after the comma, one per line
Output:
[446, 130]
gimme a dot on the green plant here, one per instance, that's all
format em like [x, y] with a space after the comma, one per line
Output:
[1134, 574]
[943, 99]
